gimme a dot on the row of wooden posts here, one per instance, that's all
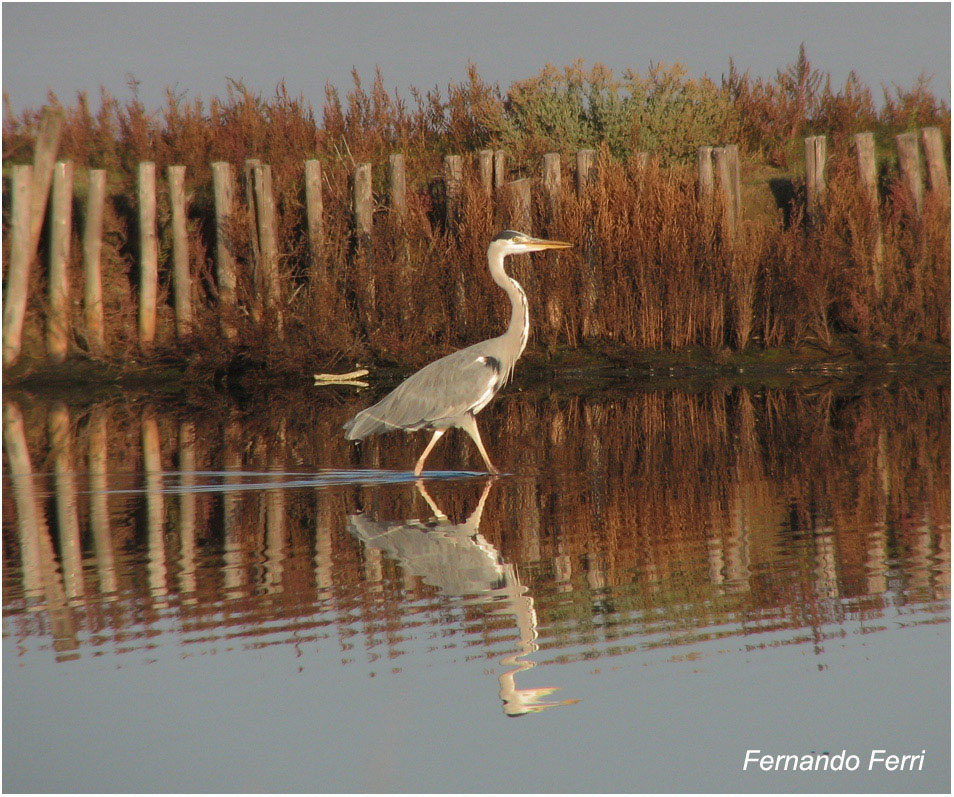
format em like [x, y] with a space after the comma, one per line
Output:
[718, 175]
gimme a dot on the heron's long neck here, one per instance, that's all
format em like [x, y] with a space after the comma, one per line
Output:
[519, 327]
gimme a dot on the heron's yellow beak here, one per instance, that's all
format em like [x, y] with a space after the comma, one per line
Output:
[539, 244]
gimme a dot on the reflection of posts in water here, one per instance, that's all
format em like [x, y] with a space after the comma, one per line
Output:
[187, 503]
[233, 572]
[275, 516]
[99, 506]
[155, 506]
[876, 552]
[456, 559]
[826, 571]
[64, 493]
[41, 577]
[323, 546]
[917, 564]
[562, 572]
[736, 547]
[876, 548]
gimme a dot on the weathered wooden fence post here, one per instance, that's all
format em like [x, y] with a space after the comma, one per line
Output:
[552, 182]
[223, 184]
[585, 170]
[735, 179]
[361, 201]
[552, 190]
[148, 255]
[92, 265]
[485, 168]
[397, 187]
[500, 168]
[314, 212]
[933, 145]
[706, 178]
[585, 175]
[44, 156]
[722, 170]
[909, 164]
[61, 228]
[453, 179]
[181, 279]
[18, 271]
[267, 245]
[868, 175]
[518, 196]
[815, 159]
[642, 160]
[362, 210]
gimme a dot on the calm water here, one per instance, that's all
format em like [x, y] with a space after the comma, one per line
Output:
[228, 596]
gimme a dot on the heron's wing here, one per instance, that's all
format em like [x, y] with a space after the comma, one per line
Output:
[443, 390]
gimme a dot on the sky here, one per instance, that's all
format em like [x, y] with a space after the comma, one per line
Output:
[195, 48]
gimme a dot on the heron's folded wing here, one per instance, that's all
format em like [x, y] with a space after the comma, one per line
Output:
[443, 390]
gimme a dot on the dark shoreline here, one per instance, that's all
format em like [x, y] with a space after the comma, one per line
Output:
[576, 371]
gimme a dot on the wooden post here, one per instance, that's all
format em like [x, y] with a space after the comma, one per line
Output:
[397, 187]
[453, 178]
[585, 169]
[485, 168]
[181, 279]
[586, 174]
[500, 168]
[268, 249]
[642, 160]
[223, 184]
[933, 145]
[44, 156]
[314, 212]
[815, 159]
[18, 271]
[868, 175]
[520, 205]
[722, 169]
[735, 181]
[551, 183]
[361, 202]
[250, 165]
[909, 164]
[92, 267]
[148, 255]
[61, 228]
[706, 186]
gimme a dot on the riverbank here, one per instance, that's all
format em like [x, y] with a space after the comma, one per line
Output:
[572, 369]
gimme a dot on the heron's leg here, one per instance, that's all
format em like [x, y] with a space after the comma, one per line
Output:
[419, 467]
[469, 425]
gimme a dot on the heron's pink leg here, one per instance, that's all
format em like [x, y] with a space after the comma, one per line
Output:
[438, 434]
[469, 425]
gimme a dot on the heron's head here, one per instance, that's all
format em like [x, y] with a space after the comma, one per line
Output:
[511, 242]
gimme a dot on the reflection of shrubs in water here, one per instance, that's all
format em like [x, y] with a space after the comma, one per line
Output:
[665, 276]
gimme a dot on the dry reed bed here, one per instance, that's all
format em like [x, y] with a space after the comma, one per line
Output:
[666, 276]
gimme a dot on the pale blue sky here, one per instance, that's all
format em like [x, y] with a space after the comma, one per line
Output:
[195, 47]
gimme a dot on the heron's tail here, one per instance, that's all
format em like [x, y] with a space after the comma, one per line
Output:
[364, 424]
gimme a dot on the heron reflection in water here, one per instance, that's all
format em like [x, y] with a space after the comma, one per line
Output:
[456, 559]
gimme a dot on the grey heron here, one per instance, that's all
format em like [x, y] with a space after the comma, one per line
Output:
[451, 391]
